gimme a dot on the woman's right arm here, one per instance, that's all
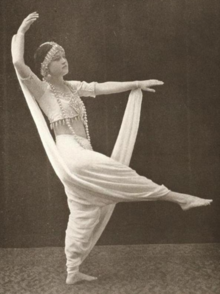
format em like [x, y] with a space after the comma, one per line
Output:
[33, 83]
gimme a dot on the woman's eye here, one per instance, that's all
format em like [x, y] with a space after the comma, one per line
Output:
[58, 58]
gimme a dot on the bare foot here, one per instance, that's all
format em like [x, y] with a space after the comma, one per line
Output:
[78, 277]
[192, 201]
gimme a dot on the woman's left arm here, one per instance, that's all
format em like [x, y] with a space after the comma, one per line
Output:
[118, 87]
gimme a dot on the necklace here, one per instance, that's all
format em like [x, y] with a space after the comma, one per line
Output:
[76, 103]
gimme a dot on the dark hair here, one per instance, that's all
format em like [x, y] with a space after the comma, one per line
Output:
[40, 54]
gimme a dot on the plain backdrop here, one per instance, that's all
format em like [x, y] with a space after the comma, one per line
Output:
[178, 144]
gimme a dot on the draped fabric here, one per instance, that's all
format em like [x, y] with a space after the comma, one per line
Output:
[73, 184]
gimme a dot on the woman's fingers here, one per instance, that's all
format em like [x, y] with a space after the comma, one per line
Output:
[150, 90]
[148, 84]
[32, 15]
[31, 19]
[156, 83]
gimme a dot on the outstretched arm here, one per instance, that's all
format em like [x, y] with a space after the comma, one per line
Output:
[118, 87]
[33, 83]
[18, 41]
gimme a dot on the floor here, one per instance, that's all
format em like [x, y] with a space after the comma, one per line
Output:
[134, 269]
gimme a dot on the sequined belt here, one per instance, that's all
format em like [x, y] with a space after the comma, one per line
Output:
[63, 121]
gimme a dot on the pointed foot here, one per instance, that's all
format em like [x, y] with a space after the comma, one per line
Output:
[192, 202]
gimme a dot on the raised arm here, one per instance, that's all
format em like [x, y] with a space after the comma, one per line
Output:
[118, 87]
[33, 83]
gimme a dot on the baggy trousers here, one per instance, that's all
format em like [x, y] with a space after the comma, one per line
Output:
[121, 182]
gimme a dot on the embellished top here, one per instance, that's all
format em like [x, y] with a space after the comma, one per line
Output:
[71, 102]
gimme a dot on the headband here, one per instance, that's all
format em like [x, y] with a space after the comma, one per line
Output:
[48, 58]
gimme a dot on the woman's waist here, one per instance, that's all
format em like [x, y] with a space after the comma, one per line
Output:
[60, 121]
[61, 127]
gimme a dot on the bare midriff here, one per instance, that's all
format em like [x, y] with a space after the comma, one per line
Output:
[77, 125]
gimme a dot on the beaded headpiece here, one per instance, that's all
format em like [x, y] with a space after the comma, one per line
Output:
[48, 58]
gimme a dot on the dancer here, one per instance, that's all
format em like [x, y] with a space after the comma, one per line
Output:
[93, 182]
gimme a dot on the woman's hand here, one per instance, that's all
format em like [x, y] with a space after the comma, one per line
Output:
[27, 22]
[146, 85]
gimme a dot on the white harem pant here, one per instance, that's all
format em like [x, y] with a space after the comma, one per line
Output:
[122, 184]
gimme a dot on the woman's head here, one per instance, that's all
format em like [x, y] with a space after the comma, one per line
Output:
[50, 60]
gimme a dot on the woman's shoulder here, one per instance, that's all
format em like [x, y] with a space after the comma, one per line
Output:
[83, 88]
[75, 84]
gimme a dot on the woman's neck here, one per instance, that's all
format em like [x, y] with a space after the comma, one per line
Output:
[56, 81]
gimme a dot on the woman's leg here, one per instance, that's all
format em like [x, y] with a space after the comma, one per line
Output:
[82, 221]
[185, 201]
[115, 182]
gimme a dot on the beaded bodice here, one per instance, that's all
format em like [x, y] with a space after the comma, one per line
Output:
[75, 102]
[72, 101]
[49, 105]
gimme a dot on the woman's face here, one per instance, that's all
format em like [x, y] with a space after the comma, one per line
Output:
[59, 64]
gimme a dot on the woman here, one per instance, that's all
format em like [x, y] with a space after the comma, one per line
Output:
[93, 182]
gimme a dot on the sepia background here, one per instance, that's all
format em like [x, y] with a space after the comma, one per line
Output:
[178, 144]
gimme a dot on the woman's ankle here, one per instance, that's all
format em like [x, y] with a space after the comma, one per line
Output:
[175, 197]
